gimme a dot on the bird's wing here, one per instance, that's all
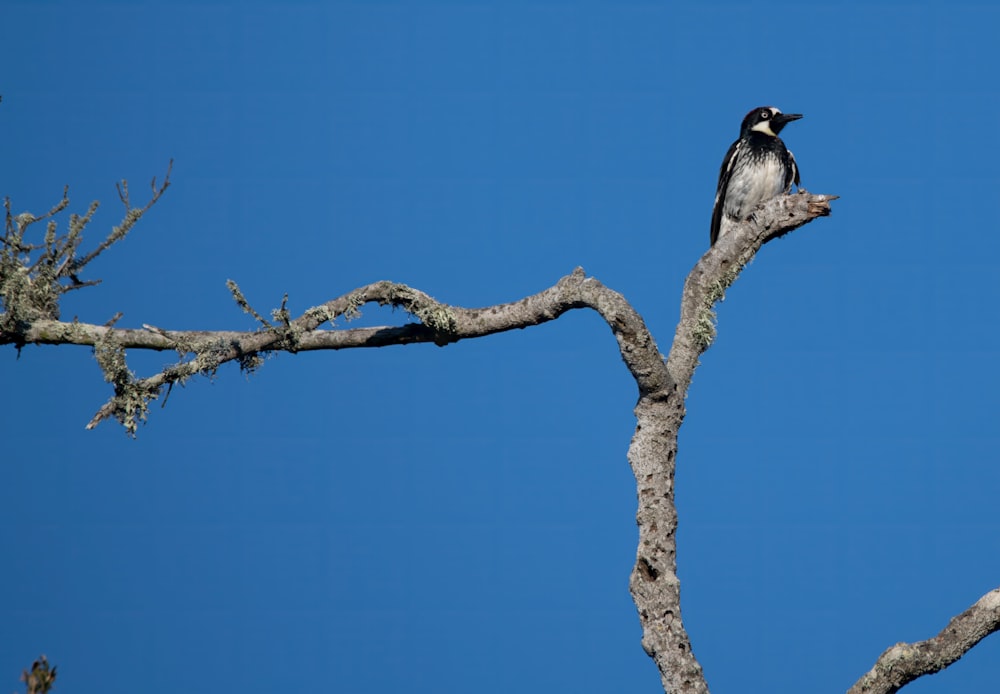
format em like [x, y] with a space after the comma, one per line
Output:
[724, 173]
[794, 178]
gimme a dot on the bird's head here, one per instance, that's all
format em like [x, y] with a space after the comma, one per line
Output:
[767, 120]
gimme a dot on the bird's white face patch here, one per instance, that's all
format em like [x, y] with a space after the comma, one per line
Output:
[765, 125]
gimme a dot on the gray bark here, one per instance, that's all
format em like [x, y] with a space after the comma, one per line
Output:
[905, 662]
[31, 317]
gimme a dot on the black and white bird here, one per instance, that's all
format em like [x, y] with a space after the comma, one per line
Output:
[757, 167]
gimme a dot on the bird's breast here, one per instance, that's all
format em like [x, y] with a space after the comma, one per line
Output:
[754, 180]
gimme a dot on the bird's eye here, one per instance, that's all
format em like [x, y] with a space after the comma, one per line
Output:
[764, 115]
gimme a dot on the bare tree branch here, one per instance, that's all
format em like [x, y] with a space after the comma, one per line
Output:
[33, 276]
[440, 324]
[662, 384]
[905, 662]
[654, 583]
[132, 215]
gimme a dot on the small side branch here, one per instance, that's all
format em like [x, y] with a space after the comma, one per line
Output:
[37, 269]
[905, 662]
[132, 216]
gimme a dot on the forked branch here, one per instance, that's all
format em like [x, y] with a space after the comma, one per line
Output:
[662, 383]
[33, 276]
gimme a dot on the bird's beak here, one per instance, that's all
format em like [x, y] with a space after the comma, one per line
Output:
[782, 118]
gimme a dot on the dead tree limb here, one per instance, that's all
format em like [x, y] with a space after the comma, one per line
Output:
[34, 275]
[662, 383]
[905, 662]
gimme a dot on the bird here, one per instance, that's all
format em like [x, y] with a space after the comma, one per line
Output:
[757, 167]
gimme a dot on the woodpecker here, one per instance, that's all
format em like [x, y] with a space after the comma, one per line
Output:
[757, 167]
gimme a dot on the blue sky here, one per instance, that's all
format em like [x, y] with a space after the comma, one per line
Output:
[436, 520]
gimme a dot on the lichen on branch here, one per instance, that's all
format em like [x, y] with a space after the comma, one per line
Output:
[36, 270]
[662, 383]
